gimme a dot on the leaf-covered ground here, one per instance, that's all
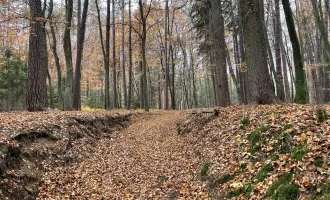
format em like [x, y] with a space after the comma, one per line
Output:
[247, 152]
[147, 160]
[263, 152]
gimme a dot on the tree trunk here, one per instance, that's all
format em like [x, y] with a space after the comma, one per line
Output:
[167, 74]
[80, 48]
[278, 36]
[300, 81]
[38, 60]
[219, 49]
[56, 58]
[130, 73]
[114, 67]
[123, 52]
[68, 56]
[259, 80]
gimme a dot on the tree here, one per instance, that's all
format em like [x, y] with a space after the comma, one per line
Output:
[259, 80]
[278, 39]
[56, 57]
[114, 67]
[80, 47]
[68, 55]
[105, 52]
[123, 52]
[130, 72]
[143, 20]
[38, 59]
[300, 81]
[167, 68]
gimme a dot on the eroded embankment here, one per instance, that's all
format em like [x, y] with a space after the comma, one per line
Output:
[32, 143]
[263, 152]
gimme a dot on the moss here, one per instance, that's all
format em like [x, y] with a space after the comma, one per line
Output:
[264, 128]
[285, 144]
[245, 121]
[318, 162]
[224, 179]
[242, 166]
[321, 115]
[298, 152]
[283, 180]
[264, 172]
[248, 190]
[254, 137]
[287, 192]
[205, 168]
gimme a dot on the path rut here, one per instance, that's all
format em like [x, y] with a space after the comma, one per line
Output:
[148, 160]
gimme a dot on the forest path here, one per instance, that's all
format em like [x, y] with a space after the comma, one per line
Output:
[147, 160]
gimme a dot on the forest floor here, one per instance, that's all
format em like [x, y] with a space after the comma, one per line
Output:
[147, 160]
[247, 152]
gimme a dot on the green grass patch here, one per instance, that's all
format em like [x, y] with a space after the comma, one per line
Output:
[264, 172]
[205, 168]
[318, 162]
[245, 121]
[246, 190]
[264, 128]
[283, 180]
[287, 192]
[298, 152]
[321, 115]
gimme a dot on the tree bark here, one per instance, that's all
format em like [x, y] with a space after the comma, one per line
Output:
[300, 81]
[38, 60]
[80, 48]
[68, 56]
[278, 38]
[259, 80]
[114, 67]
[130, 73]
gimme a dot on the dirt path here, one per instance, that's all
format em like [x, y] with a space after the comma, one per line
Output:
[148, 160]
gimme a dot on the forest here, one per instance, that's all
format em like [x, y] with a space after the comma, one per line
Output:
[155, 54]
[164, 99]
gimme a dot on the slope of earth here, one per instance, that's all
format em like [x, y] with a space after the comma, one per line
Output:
[32, 143]
[148, 160]
[263, 152]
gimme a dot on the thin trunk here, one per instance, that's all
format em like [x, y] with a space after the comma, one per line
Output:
[56, 58]
[123, 52]
[300, 81]
[80, 48]
[68, 56]
[130, 73]
[278, 38]
[166, 90]
[114, 67]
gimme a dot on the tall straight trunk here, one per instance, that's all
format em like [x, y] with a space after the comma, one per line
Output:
[105, 52]
[56, 58]
[285, 74]
[278, 36]
[219, 49]
[114, 67]
[167, 73]
[144, 17]
[130, 72]
[123, 52]
[326, 58]
[38, 60]
[80, 49]
[300, 81]
[68, 55]
[173, 103]
[259, 80]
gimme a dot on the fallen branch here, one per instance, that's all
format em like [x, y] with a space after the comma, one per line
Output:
[215, 112]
